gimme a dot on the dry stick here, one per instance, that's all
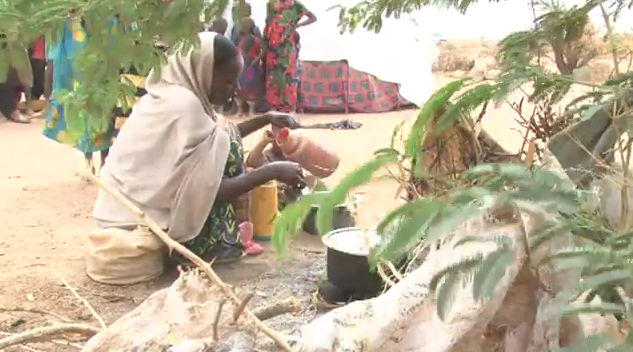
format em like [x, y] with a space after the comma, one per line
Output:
[216, 322]
[173, 245]
[57, 342]
[83, 300]
[240, 308]
[530, 153]
[36, 311]
[40, 333]
[288, 305]
[395, 271]
[27, 348]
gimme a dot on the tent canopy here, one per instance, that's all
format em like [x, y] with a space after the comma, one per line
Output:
[401, 53]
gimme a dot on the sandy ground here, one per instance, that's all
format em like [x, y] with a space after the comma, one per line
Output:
[45, 215]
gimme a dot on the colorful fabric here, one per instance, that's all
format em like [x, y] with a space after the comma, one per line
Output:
[62, 54]
[280, 57]
[333, 86]
[38, 50]
[235, 33]
[220, 231]
[298, 74]
[251, 79]
[123, 111]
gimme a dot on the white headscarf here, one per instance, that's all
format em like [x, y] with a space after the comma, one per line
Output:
[170, 155]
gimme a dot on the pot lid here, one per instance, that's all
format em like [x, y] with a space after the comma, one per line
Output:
[352, 240]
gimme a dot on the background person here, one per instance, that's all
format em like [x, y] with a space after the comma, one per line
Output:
[281, 39]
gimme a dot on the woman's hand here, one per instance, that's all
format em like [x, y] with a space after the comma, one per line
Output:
[267, 137]
[287, 172]
[282, 119]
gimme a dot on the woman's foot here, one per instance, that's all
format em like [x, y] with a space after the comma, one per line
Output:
[225, 254]
[17, 117]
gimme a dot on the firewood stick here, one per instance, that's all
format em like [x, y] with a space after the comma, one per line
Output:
[239, 309]
[85, 302]
[36, 311]
[40, 333]
[55, 341]
[173, 245]
[216, 322]
[288, 305]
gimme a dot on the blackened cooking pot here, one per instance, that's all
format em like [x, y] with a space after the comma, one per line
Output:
[342, 217]
[347, 261]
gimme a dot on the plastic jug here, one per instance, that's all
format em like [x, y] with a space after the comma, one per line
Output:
[313, 157]
[263, 210]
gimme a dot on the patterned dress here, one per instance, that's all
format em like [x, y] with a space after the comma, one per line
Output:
[280, 57]
[62, 54]
[250, 79]
[219, 238]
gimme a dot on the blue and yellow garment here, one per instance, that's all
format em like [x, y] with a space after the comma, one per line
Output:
[62, 54]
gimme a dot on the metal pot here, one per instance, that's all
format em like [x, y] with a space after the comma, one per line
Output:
[347, 261]
[342, 217]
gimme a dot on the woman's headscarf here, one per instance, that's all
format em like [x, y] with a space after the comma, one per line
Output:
[169, 157]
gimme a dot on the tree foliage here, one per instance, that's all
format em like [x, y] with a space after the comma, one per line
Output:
[606, 253]
[566, 32]
[130, 43]
[603, 253]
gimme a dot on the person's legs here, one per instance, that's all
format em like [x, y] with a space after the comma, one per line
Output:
[15, 114]
[218, 241]
[39, 73]
[7, 99]
[90, 163]
[28, 100]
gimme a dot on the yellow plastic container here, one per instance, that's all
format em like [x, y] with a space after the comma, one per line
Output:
[263, 210]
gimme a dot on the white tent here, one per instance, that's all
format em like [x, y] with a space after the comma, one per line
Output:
[401, 53]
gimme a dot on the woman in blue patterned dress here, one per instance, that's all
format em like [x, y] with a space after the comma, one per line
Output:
[61, 77]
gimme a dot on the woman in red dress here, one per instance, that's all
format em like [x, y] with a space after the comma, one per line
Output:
[281, 38]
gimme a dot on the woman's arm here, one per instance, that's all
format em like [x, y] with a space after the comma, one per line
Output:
[255, 158]
[234, 187]
[249, 126]
[310, 20]
[311, 17]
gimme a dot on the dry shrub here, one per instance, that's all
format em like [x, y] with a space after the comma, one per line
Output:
[579, 53]
[461, 54]
[453, 61]
[599, 71]
[445, 155]
[624, 42]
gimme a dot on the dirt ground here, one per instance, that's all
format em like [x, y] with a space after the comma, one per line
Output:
[45, 216]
